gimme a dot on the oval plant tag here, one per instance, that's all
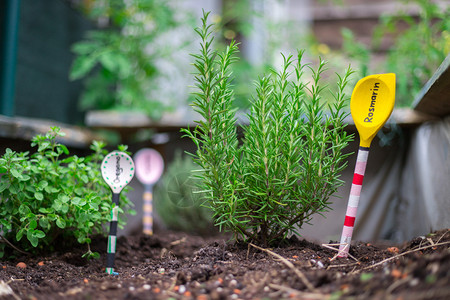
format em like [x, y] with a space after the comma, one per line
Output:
[117, 170]
[149, 166]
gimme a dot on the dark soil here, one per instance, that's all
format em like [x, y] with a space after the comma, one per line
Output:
[178, 266]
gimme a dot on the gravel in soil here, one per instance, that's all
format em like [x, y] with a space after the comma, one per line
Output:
[171, 265]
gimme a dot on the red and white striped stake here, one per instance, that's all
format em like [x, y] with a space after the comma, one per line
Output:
[352, 207]
[371, 105]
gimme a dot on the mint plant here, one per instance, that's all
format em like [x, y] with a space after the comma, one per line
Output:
[44, 196]
[288, 164]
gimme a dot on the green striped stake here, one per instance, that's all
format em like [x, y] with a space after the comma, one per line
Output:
[117, 171]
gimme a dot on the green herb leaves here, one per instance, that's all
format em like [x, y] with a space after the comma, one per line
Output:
[44, 197]
[288, 164]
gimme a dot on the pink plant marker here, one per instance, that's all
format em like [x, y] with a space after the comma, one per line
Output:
[371, 105]
[149, 168]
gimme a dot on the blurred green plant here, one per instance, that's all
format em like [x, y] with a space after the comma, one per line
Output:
[289, 163]
[416, 52]
[237, 22]
[44, 196]
[118, 63]
[179, 202]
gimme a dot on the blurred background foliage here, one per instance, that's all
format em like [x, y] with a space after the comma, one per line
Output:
[416, 52]
[119, 62]
[178, 202]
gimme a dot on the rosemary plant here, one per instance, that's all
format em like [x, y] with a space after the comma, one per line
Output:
[288, 164]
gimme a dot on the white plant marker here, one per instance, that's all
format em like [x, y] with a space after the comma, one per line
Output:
[149, 168]
[117, 171]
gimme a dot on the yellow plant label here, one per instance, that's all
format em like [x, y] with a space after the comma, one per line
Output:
[371, 105]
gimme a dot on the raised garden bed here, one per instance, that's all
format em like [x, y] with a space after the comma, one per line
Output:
[178, 266]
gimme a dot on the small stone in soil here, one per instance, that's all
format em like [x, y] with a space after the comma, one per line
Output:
[182, 289]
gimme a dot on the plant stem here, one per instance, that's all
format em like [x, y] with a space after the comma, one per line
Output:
[12, 246]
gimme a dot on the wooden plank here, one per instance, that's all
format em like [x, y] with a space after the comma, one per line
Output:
[126, 123]
[407, 117]
[434, 98]
[403, 117]
[26, 128]
[132, 120]
[361, 10]
[327, 11]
